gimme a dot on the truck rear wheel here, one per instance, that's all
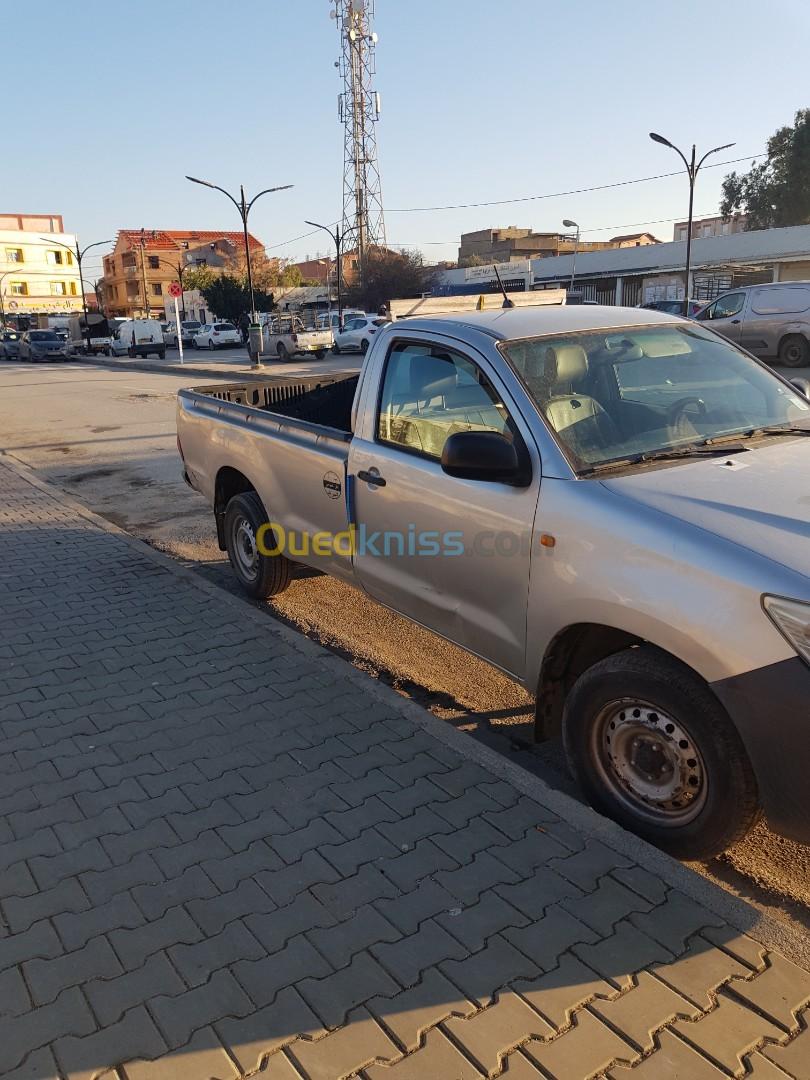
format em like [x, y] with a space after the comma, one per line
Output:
[259, 575]
[653, 749]
[281, 351]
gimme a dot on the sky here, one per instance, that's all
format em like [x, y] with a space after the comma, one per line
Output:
[109, 106]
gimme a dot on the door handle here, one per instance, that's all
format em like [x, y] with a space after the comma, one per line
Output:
[371, 478]
[735, 322]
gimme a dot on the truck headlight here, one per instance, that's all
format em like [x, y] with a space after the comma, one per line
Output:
[792, 619]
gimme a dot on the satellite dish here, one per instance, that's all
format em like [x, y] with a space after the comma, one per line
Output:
[374, 38]
[332, 14]
[352, 34]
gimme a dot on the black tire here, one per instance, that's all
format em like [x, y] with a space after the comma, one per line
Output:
[364, 346]
[211, 344]
[794, 351]
[281, 351]
[162, 354]
[601, 720]
[320, 354]
[262, 575]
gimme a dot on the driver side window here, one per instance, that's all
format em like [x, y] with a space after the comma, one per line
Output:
[726, 307]
[430, 393]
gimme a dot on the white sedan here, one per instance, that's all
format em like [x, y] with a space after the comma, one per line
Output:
[218, 335]
[357, 333]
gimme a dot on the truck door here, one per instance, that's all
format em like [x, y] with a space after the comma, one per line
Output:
[725, 315]
[452, 554]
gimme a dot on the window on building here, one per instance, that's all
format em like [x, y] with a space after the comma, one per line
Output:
[14, 255]
[73, 288]
[54, 258]
[18, 288]
[58, 288]
[157, 289]
[128, 260]
[682, 233]
[154, 262]
[69, 258]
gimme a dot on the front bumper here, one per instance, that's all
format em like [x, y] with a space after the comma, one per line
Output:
[771, 709]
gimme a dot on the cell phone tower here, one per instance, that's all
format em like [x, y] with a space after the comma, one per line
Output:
[359, 111]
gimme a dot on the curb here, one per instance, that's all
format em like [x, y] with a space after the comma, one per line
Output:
[733, 910]
[242, 374]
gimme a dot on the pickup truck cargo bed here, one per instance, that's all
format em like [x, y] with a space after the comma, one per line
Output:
[322, 400]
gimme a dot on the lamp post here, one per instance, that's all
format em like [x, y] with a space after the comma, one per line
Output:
[337, 240]
[244, 207]
[568, 224]
[2, 306]
[80, 254]
[692, 170]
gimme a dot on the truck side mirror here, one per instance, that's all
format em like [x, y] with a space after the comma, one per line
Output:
[481, 455]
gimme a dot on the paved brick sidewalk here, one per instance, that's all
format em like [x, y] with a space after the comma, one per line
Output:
[221, 851]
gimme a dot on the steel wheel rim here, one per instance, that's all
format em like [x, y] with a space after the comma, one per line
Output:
[793, 355]
[650, 762]
[243, 545]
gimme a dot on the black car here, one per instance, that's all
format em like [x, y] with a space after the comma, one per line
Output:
[675, 307]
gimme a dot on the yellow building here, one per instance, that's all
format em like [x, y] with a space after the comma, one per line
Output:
[38, 274]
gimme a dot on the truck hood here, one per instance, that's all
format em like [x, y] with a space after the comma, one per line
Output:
[759, 499]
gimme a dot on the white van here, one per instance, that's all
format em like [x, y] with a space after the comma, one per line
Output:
[139, 337]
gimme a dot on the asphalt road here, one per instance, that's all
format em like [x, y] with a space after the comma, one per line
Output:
[108, 437]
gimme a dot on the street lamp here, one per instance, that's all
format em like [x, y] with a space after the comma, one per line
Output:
[568, 224]
[14, 270]
[244, 207]
[337, 240]
[692, 170]
[80, 254]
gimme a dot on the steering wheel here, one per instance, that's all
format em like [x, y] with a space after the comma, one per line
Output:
[678, 420]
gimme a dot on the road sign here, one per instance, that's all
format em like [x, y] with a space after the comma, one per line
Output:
[175, 290]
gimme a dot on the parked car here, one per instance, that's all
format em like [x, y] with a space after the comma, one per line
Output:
[138, 337]
[188, 328]
[288, 335]
[605, 503]
[675, 307]
[329, 319]
[769, 320]
[357, 334]
[9, 344]
[218, 335]
[42, 345]
[96, 332]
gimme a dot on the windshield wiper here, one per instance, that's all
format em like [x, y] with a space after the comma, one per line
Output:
[674, 454]
[777, 429]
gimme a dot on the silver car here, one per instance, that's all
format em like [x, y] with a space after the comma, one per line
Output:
[769, 320]
[9, 344]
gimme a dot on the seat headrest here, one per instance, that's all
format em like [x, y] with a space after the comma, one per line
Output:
[565, 364]
[431, 375]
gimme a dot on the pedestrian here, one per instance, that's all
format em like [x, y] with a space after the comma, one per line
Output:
[244, 327]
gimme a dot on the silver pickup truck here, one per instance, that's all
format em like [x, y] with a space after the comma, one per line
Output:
[610, 505]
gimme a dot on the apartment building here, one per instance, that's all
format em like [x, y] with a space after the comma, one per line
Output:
[513, 245]
[149, 260]
[711, 226]
[38, 270]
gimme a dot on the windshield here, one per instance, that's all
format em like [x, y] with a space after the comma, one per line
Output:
[191, 325]
[43, 335]
[623, 393]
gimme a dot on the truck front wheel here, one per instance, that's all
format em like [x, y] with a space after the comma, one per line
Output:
[653, 749]
[259, 575]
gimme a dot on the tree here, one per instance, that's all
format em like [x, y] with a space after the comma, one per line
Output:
[229, 297]
[775, 192]
[388, 275]
[290, 277]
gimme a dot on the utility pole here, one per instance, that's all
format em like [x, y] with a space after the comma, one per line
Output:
[143, 275]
